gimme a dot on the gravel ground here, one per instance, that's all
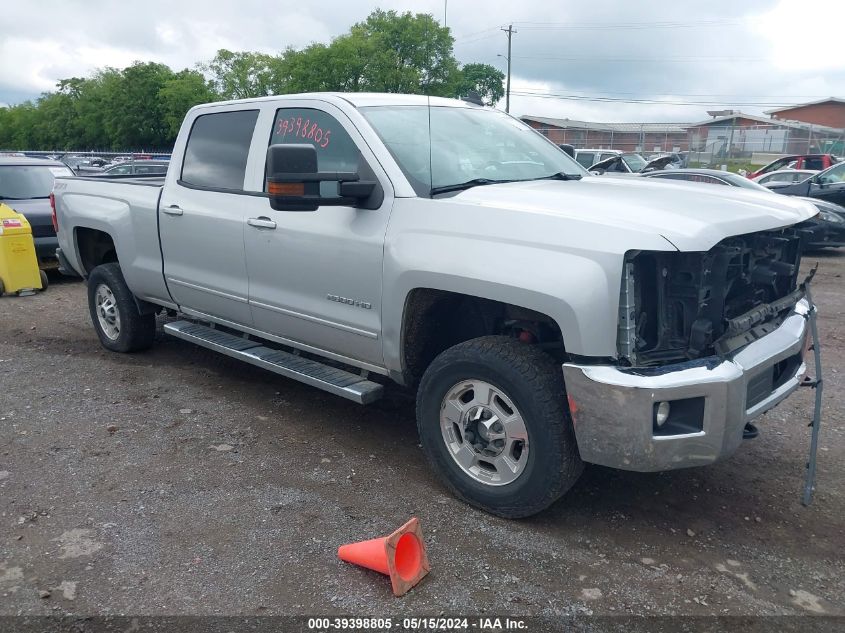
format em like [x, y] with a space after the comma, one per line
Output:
[177, 481]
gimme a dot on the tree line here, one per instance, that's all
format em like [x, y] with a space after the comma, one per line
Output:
[142, 106]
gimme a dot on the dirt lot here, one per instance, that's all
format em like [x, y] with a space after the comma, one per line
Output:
[177, 481]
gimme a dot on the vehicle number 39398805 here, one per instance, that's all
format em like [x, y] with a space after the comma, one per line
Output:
[303, 129]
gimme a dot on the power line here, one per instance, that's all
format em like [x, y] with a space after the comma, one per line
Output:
[576, 26]
[469, 35]
[714, 95]
[474, 40]
[667, 60]
[602, 26]
[597, 99]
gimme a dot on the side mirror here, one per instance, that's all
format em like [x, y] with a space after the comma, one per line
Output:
[293, 182]
[597, 172]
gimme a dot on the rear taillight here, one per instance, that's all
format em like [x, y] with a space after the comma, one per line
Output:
[54, 218]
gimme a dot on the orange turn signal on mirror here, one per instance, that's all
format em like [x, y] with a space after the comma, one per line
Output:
[286, 188]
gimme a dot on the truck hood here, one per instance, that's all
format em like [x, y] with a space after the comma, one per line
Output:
[692, 216]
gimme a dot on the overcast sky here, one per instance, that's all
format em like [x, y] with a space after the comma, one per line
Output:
[752, 55]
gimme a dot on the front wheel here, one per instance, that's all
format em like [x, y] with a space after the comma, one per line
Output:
[494, 423]
[119, 324]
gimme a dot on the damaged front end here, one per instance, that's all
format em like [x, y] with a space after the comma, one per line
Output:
[683, 306]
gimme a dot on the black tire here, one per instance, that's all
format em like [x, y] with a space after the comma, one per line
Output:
[136, 331]
[534, 384]
[44, 281]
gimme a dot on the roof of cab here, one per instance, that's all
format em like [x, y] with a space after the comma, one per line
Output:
[356, 99]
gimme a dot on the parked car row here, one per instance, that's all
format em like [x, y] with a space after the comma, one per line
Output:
[826, 230]
[26, 185]
[136, 168]
[815, 162]
[818, 178]
[602, 161]
[119, 165]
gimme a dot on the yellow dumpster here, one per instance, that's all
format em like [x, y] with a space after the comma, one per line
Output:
[18, 263]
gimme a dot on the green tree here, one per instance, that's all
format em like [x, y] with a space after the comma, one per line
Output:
[340, 66]
[241, 75]
[56, 121]
[483, 79]
[410, 53]
[95, 99]
[179, 94]
[18, 126]
[142, 106]
[134, 116]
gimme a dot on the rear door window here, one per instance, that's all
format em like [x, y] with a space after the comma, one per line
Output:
[217, 150]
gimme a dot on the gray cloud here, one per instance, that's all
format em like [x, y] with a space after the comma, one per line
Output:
[723, 51]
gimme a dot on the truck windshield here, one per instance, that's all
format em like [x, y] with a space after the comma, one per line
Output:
[24, 182]
[470, 146]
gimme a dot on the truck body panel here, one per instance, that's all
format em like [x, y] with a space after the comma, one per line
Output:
[336, 282]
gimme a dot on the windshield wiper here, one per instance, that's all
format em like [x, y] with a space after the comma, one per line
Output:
[561, 176]
[465, 185]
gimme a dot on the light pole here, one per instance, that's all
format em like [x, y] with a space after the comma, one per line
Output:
[510, 31]
[508, 85]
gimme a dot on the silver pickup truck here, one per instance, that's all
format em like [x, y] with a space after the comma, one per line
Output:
[543, 317]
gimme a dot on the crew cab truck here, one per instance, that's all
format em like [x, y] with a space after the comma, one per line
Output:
[543, 317]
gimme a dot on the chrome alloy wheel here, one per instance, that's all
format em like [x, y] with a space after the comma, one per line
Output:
[107, 314]
[484, 432]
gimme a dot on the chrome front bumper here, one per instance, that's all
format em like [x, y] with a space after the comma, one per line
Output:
[613, 408]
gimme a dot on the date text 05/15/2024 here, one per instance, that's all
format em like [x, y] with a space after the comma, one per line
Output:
[374, 624]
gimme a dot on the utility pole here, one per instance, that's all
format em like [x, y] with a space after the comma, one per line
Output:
[510, 31]
[445, 6]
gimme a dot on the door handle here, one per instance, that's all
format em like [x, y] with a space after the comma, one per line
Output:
[173, 209]
[261, 223]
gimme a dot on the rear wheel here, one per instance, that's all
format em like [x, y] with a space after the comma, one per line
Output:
[494, 423]
[119, 324]
[44, 281]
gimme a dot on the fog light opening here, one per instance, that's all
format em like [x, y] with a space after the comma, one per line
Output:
[662, 413]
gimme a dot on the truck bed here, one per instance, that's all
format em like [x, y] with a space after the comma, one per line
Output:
[122, 208]
[129, 179]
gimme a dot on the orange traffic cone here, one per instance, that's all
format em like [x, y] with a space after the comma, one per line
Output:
[400, 556]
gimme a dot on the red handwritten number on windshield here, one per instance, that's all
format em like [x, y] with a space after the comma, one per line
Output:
[307, 129]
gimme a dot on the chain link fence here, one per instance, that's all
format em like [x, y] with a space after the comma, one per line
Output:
[703, 145]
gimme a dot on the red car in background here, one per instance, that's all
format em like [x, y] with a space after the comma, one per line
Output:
[801, 161]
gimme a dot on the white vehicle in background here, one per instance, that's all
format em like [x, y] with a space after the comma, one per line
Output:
[589, 157]
[785, 175]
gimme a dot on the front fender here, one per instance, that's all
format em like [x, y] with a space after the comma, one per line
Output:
[568, 268]
[580, 294]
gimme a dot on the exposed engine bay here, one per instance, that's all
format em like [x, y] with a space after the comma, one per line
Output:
[682, 306]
